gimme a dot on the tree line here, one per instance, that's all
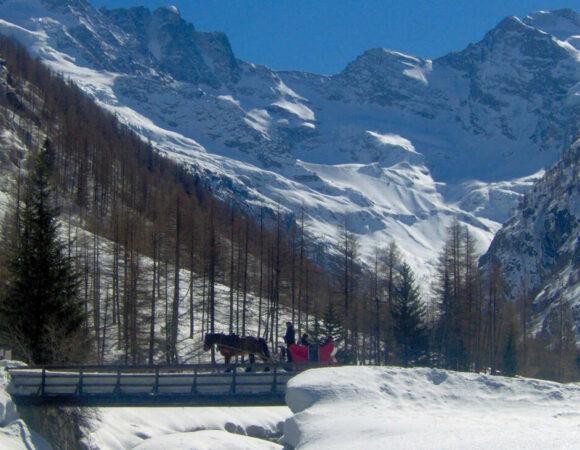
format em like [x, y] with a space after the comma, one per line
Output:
[154, 260]
[462, 321]
[149, 244]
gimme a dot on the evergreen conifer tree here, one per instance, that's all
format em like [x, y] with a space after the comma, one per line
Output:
[331, 324]
[408, 312]
[40, 314]
[510, 359]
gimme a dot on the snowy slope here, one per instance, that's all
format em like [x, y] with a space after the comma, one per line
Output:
[395, 145]
[377, 408]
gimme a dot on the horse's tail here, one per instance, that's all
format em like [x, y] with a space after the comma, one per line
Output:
[264, 348]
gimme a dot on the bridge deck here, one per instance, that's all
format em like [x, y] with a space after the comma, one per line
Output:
[187, 385]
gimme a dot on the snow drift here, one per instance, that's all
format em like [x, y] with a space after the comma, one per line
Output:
[376, 407]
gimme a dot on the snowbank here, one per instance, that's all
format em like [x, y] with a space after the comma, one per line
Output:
[144, 428]
[14, 433]
[372, 408]
[207, 440]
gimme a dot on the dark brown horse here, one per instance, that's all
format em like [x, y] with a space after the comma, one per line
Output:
[233, 345]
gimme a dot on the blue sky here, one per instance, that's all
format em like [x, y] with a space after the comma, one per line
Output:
[322, 36]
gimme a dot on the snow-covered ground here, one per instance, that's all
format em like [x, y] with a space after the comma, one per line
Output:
[14, 433]
[187, 428]
[349, 408]
[378, 408]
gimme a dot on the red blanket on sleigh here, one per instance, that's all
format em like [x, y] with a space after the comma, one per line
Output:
[312, 353]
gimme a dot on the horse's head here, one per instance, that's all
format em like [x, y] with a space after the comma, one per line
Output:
[212, 338]
[207, 342]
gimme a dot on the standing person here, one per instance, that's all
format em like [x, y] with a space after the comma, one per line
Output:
[289, 338]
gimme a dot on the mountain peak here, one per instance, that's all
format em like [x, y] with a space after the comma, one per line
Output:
[509, 23]
[168, 14]
[380, 68]
[65, 3]
[383, 59]
[512, 39]
[64, 6]
[175, 47]
[170, 9]
[563, 24]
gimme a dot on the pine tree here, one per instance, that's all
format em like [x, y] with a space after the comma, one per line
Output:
[408, 312]
[331, 324]
[40, 313]
[510, 359]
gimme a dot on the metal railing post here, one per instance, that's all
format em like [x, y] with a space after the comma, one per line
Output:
[80, 385]
[156, 385]
[43, 383]
[233, 388]
[274, 379]
[118, 385]
[194, 382]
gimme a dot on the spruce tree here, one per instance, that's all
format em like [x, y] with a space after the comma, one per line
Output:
[510, 358]
[331, 324]
[40, 313]
[408, 313]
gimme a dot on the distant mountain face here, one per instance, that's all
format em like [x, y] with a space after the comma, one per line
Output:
[539, 246]
[395, 146]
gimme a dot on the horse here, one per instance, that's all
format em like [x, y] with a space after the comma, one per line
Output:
[233, 345]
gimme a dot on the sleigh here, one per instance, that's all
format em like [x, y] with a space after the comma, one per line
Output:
[313, 353]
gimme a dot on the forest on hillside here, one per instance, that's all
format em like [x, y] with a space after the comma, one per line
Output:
[159, 261]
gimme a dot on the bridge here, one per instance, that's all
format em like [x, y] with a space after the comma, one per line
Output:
[183, 385]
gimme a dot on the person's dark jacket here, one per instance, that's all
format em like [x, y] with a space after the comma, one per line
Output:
[290, 336]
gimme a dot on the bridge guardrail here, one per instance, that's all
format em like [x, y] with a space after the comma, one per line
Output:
[202, 383]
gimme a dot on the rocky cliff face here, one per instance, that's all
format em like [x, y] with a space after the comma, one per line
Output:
[172, 46]
[522, 87]
[395, 145]
[539, 246]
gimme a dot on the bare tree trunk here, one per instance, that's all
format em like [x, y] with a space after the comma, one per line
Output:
[245, 277]
[231, 327]
[191, 286]
[260, 290]
[176, 296]
[97, 292]
[212, 278]
[153, 298]
[105, 323]
[277, 280]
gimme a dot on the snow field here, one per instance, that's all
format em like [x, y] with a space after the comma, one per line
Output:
[207, 440]
[186, 428]
[376, 408]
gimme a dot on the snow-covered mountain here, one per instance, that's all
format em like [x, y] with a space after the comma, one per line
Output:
[395, 145]
[539, 246]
